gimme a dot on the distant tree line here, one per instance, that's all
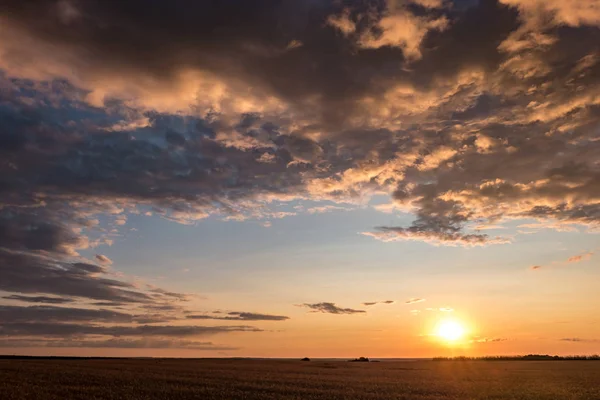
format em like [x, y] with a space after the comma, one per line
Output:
[529, 357]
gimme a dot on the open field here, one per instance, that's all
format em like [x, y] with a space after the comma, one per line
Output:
[271, 379]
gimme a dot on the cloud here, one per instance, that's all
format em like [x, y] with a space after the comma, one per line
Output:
[301, 138]
[325, 209]
[534, 267]
[487, 340]
[25, 232]
[372, 303]
[162, 294]
[32, 273]
[392, 234]
[579, 340]
[573, 13]
[51, 329]
[414, 300]
[330, 308]
[241, 316]
[15, 314]
[39, 299]
[395, 27]
[116, 343]
[403, 30]
[102, 259]
[580, 257]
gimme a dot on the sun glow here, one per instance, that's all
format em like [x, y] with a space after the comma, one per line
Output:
[450, 330]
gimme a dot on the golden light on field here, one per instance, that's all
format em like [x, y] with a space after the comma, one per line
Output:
[450, 330]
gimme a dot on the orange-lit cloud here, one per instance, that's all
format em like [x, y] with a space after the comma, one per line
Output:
[580, 257]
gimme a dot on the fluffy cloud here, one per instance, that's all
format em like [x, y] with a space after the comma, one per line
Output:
[440, 161]
[330, 308]
[560, 12]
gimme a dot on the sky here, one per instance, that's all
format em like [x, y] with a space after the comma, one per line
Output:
[322, 178]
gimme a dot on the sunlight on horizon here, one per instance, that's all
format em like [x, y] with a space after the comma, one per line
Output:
[450, 330]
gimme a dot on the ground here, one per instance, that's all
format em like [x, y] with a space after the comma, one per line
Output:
[273, 379]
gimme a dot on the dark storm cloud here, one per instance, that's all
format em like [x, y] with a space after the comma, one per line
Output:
[241, 316]
[14, 314]
[65, 329]
[39, 299]
[237, 39]
[330, 308]
[29, 273]
[456, 130]
[26, 232]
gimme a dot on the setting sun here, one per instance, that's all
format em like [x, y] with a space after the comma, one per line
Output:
[450, 330]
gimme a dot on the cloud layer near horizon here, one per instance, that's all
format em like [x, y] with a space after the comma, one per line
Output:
[465, 112]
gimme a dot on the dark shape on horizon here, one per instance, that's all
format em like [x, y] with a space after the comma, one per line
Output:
[305, 359]
[360, 359]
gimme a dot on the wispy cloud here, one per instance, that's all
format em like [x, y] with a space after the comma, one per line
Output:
[39, 299]
[415, 300]
[102, 259]
[434, 236]
[240, 316]
[52, 329]
[580, 257]
[487, 340]
[579, 340]
[372, 303]
[330, 308]
[116, 343]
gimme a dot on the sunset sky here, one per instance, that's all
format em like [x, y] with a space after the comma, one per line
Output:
[323, 178]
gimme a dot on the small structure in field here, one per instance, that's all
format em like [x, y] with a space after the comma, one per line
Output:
[305, 359]
[360, 359]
